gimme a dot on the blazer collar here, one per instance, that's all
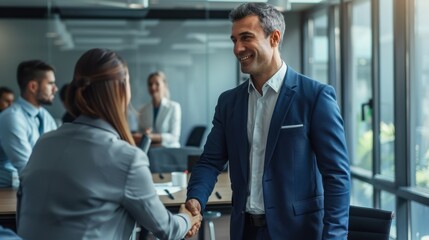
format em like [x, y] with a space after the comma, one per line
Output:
[162, 111]
[275, 82]
[97, 123]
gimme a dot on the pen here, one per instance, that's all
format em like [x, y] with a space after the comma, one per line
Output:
[218, 195]
[169, 194]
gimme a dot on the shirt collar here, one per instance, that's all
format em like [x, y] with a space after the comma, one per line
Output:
[28, 107]
[275, 82]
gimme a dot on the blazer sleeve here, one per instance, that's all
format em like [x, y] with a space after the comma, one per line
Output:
[212, 161]
[171, 137]
[142, 202]
[328, 141]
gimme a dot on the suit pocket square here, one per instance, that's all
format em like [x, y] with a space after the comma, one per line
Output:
[292, 126]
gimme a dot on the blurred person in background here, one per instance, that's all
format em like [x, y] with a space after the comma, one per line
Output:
[160, 119]
[26, 120]
[6, 98]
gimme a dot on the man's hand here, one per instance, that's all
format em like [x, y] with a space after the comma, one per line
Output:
[195, 221]
[194, 207]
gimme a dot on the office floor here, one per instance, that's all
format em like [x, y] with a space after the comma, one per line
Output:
[221, 229]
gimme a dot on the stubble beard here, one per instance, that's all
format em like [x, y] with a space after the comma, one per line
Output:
[43, 100]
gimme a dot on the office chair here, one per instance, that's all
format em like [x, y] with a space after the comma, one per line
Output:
[369, 223]
[209, 216]
[196, 136]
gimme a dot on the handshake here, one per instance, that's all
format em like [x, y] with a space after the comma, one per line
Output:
[193, 208]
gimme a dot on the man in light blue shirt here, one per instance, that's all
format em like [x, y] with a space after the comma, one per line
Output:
[23, 122]
[7, 234]
[6, 98]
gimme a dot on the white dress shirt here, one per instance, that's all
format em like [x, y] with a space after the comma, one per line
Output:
[260, 111]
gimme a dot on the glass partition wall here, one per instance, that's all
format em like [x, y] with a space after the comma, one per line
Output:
[195, 54]
[188, 40]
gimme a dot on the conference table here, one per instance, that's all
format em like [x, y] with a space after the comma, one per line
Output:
[220, 200]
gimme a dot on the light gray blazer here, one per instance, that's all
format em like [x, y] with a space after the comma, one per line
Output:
[83, 182]
[168, 121]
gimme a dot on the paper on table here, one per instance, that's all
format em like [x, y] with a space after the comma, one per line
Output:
[160, 188]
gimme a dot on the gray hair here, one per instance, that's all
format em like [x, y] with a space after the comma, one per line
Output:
[270, 18]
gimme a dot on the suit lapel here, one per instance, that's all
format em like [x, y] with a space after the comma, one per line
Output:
[286, 97]
[242, 138]
[162, 112]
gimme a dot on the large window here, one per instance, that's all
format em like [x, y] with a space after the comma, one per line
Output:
[362, 193]
[387, 128]
[385, 77]
[388, 202]
[419, 117]
[361, 85]
[317, 45]
[419, 221]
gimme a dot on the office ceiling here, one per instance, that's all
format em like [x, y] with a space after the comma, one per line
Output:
[196, 36]
[292, 5]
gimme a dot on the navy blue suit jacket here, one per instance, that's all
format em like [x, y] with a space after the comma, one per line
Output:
[306, 178]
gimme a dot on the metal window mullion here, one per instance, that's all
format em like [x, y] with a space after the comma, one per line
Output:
[375, 72]
[401, 115]
[334, 53]
[345, 53]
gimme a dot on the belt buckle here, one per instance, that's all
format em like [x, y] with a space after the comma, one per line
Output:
[257, 221]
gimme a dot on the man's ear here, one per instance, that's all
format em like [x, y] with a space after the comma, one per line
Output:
[33, 86]
[275, 38]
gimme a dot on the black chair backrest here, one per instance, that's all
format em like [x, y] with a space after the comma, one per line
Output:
[145, 143]
[369, 223]
[196, 136]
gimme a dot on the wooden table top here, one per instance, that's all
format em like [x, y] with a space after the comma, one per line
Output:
[223, 187]
[7, 201]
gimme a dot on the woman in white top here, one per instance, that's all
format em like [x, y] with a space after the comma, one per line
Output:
[161, 118]
[88, 180]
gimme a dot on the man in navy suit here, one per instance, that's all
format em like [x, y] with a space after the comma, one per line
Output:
[283, 137]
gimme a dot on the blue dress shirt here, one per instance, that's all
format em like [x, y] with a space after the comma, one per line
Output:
[7, 234]
[19, 131]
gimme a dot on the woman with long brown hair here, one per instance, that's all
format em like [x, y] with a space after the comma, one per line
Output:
[87, 180]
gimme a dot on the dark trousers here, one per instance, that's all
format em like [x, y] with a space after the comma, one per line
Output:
[254, 231]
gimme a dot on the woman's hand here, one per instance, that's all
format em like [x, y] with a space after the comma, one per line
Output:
[195, 220]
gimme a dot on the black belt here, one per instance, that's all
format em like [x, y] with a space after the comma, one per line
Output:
[256, 220]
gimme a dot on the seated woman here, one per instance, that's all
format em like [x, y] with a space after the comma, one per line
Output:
[87, 180]
[161, 118]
